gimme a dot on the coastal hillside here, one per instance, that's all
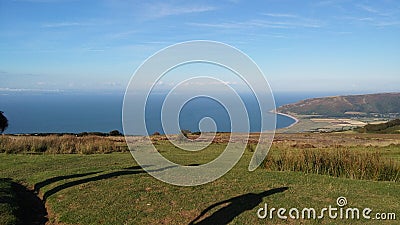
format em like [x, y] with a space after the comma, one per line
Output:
[369, 105]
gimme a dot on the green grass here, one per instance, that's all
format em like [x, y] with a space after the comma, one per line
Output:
[111, 189]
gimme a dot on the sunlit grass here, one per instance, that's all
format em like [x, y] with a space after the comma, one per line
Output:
[112, 189]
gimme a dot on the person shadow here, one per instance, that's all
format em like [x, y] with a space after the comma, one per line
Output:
[236, 206]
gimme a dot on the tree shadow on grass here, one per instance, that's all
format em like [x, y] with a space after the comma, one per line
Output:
[46, 182]
[30, 210]
[235, 207]
[39, 185]
[126, 171]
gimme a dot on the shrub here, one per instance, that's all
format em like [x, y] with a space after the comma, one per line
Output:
[185, 132]
[115, 133]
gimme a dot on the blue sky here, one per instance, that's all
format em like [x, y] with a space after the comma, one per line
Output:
[331, 45]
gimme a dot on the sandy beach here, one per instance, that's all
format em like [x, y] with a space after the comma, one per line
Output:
[287, 115]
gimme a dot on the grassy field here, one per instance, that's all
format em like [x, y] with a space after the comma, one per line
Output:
[113, 189]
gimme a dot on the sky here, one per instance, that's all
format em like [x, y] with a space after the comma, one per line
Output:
[301, 46]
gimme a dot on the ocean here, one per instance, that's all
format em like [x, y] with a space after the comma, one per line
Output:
[68, 112]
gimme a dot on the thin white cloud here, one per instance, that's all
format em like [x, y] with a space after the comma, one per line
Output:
[192, 84]
[8, 74]
[377, 11]
[366, 19]
[372, 21]
[380, 17]
[280, 15]
[357, 19]
[372, 13]
[65, 24]
[261, 24]
[122, 35]
[234, 1]
[160, 10]
[28, 90]
[369, 9]
[342, 32]
[227, 25]
[387, 23]
[95, 50]
[44, 1]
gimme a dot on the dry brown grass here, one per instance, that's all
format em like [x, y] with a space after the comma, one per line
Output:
[66, 144]
[356, 156]
[338, 162]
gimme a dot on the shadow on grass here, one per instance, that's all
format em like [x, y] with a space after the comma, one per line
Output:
[235, 207]
[59, 178]
[29, 209]
[39, 185]
[127, 171]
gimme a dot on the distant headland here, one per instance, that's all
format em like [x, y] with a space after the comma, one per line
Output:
[340, 113]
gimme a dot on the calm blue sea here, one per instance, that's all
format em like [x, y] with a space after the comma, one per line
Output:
[80, 112]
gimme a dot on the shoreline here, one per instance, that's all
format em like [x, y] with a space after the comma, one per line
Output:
[296, 120]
